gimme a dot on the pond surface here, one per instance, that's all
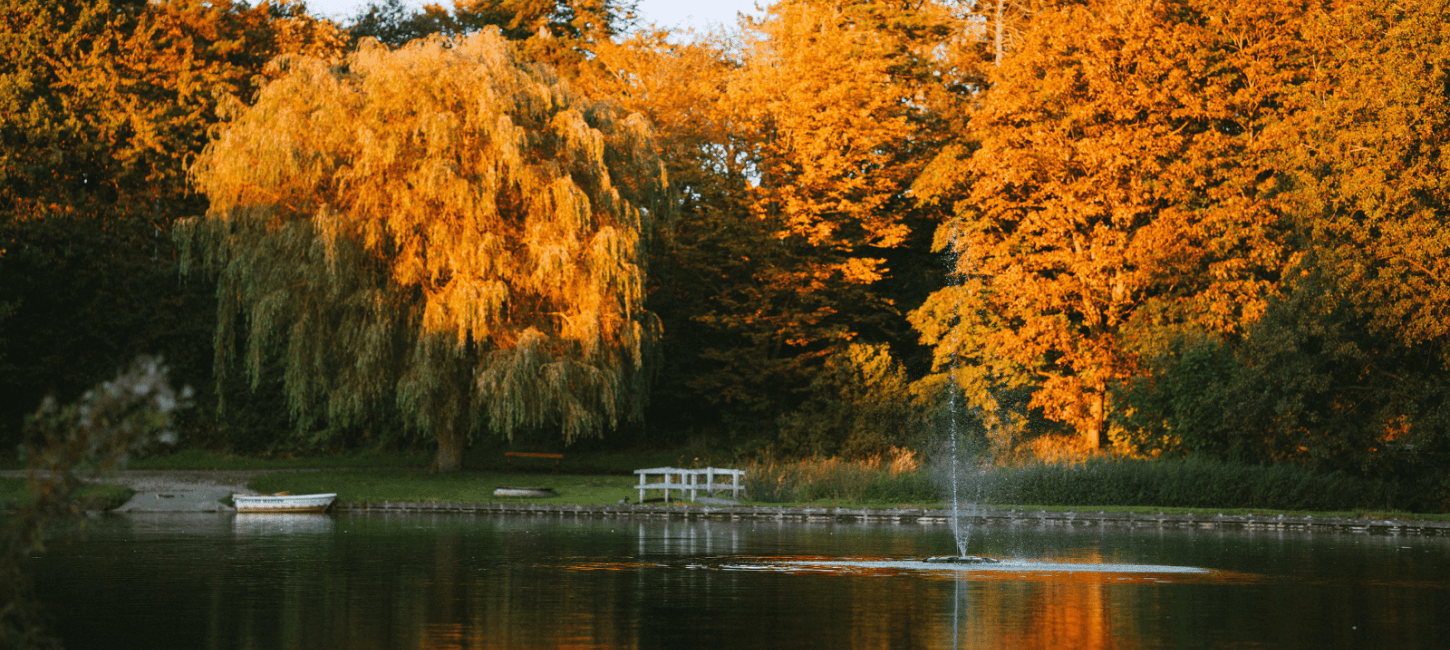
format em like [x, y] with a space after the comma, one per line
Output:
[439, 581]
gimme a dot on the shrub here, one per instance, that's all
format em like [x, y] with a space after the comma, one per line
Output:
[859, 406]
[896, 477]
[1200, 484]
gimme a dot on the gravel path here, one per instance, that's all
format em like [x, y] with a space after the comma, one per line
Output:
[178, 490]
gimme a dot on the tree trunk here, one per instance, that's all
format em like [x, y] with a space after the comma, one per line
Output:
[1098, 435]
[997, 44]
[451, 439]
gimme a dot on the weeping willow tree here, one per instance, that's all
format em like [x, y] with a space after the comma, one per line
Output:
[442, 225]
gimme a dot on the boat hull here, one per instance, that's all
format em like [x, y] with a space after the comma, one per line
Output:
[524, 492]
[284, 503]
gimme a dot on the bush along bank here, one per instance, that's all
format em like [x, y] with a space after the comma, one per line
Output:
[1206, 484]
[1099, 483]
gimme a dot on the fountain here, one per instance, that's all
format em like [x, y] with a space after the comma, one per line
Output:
[960, 559]
[962, 473]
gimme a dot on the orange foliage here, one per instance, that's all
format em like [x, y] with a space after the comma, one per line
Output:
[443, 224]
[791, 149]
[681, 88]
[838, 99]
[1118, 189]
[1060, 449]
[1373, 121]
[129, 90]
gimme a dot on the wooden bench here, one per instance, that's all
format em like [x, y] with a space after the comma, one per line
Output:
[509, 456]
[691, 480]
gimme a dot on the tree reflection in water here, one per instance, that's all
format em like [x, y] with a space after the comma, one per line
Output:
[366, 582]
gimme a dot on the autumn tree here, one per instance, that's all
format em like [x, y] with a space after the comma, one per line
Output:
[1117, 187]
[992, 30]
[102, 104]
[442, 225]
[836, 96]
[831, 106]
[1348, 370]
[834, 107]
[1371, 127]
[680, 82]
[106, 100]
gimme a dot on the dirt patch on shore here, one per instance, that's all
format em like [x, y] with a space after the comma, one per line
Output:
[177, 490]
[167, 480]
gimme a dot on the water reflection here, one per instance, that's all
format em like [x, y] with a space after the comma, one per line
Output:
[282, 524]
[397, 581]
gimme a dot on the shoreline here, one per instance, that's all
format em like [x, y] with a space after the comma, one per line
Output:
[923, 517]
[198, 491]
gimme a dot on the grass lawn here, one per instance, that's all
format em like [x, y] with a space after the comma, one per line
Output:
[590, 478]
[467, 487]
[192, 459]
[604, 489]
[489, 458]
[13, 494]
[462, 487]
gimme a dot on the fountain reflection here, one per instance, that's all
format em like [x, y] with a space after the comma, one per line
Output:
[473, 582]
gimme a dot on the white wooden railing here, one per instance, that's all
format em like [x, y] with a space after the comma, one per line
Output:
[708, 480]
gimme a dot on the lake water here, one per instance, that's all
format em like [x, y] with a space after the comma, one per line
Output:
[436, 581]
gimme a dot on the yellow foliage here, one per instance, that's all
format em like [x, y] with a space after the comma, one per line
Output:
[505, 221]
[1055, 449]
[445, 205]
[1373, 121]
[112, 99]
[828, 92]
[1118, 186]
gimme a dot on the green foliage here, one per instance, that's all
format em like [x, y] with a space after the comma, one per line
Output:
[193, 459]
[860, 405]
[903, 488]
[1179, 406]
[15, 495]
[771, 480]
[394, 23]
[1310, 384]
[1205, 484]
[561, 33]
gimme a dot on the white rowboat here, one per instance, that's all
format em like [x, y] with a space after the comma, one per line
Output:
[283, 502]
[524, 492]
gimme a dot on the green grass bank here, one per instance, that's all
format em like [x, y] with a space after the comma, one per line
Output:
[1179, 490]
[605, 478]
[14, 494]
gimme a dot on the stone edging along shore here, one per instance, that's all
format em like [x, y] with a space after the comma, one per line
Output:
[920, 516]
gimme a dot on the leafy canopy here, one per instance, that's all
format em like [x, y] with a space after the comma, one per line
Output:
[444, 224]
[1116, 185]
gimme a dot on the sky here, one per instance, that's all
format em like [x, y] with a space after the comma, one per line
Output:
[665, 13]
